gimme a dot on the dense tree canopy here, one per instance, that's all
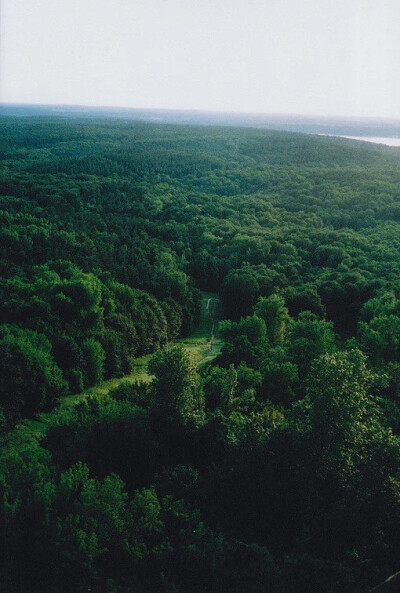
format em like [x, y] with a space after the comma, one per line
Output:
[273, 467]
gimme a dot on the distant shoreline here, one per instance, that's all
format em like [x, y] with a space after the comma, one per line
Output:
[393, 142]
[375, 130]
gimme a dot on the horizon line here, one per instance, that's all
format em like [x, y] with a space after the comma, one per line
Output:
[207, 111]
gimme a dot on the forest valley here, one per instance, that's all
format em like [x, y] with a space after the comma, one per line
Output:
[272, 467]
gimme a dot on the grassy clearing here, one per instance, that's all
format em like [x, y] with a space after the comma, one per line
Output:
[203, 345]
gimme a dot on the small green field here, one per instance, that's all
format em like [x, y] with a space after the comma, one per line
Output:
[204, 345]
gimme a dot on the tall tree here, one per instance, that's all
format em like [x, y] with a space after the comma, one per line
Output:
[176, 385]
[276, 316]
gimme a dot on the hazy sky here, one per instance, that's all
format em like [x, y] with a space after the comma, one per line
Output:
[331, 57]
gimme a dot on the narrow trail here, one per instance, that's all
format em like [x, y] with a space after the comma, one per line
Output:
[203, 346]
[212, 317]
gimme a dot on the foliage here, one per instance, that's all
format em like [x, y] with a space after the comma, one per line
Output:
[274, 467]
[176, 385]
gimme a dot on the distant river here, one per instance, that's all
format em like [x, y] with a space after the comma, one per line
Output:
[374, 139]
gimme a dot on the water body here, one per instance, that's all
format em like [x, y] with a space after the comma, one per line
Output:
[373, 139]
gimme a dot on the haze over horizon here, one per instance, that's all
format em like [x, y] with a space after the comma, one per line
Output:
[283, 57]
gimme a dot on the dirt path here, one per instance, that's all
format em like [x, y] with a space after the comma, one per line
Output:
[203, 346]
[211, 312]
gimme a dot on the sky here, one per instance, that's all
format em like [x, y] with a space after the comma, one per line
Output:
[310, 57]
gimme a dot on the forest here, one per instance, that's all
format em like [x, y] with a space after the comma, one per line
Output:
[273, 467]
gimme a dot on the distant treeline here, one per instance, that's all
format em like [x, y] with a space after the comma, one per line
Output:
[362, 126]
